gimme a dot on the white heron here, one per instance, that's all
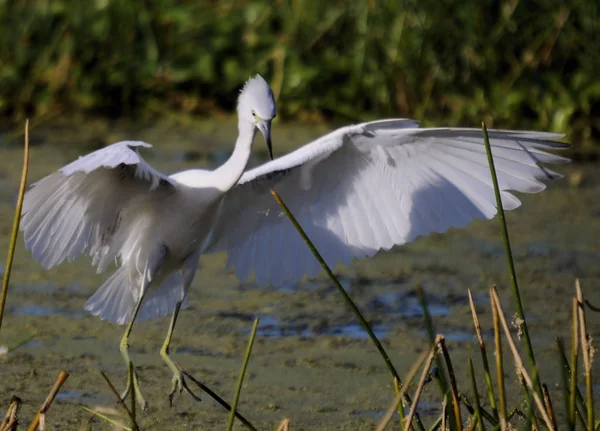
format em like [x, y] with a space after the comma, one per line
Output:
[356, 190]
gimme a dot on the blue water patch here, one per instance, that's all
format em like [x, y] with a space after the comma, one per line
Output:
[269, 326]
[407, 304]
[69, 395]
[356, 331]
[43, 311]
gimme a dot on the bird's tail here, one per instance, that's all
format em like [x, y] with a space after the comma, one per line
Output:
[114, 300]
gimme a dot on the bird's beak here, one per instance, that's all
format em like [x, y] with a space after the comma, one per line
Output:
[265, 128]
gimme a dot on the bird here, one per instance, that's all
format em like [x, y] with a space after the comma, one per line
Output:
[357, 190]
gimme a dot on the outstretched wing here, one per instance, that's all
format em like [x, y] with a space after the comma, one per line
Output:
[78, 208]
[371, 186]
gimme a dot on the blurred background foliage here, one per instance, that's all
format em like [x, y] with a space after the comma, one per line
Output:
[515, 63]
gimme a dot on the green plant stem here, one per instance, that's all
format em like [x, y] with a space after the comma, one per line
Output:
[106, 418]
[574, 362]
[484, 413]
[453, 386]
[549, 407]
[119, 399]
[587, 352]
[437, 423]
[530, 416]
[400, 392]
[566, 383]
[419, 390]
[480, 423]
[518, 361]
[511, 265]
[484, 358]
[499, 364]
[348, 300]
[238, 389]
[431, 333]
[565, 372]
[16, 222]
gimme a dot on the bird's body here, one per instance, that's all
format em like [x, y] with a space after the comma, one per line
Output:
[355, 191]
[121, 214]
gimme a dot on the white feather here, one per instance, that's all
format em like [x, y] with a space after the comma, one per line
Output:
[369, 187]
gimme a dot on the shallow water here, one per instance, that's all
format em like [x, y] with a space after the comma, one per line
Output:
[311, 361]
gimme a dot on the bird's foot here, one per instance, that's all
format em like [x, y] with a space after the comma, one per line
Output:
[178, 381]
[180, 385]
[132, 377]
[139, 398]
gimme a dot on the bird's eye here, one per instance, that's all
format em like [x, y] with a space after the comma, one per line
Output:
[254, 114]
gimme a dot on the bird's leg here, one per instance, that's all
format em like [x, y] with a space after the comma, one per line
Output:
[125, 351]
[178, 382]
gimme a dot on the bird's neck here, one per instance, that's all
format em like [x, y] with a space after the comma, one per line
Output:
[232, 170]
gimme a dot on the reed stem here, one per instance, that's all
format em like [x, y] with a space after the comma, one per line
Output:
[510, 262]
[363, 322]
[16, 222]
[238, 389]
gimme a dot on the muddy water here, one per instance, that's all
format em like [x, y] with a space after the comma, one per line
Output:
[311, 361]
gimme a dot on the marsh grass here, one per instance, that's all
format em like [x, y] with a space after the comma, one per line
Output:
[40, 417]
[238, 388]
[539, 413]
[16, 222]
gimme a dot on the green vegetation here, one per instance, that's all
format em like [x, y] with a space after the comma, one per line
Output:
[526, 64]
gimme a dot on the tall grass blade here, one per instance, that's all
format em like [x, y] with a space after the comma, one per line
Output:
[438, 422]
[574, 363]
[499, 364]
[107, 419]
[120, 400]
[433, 352]
[566, 371]
[480, 424]
[453, 386]
[509, 259]
[10, 421]
[445, 413]
[484, 413]
[60, 380]
[16, 222]
[549, 408]
[531, 421]
[363, 322]
[400, 394]
[431, 334]
[484, 358]
[238, 389]
[587, 351]
[284, 425]
[519, 362]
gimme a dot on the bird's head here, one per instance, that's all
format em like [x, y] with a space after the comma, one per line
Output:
[257, 105]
